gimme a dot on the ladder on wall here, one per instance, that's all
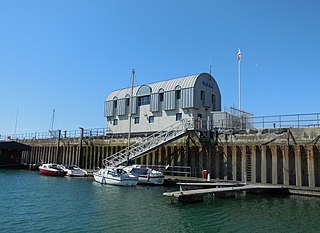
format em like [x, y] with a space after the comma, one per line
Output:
[248, 167]
[178, 129]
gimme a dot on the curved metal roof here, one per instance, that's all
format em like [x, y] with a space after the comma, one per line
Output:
[167, 85]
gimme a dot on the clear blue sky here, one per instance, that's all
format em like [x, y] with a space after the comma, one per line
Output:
[68, 55]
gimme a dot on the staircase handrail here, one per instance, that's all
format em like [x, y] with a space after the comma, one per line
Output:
[178, 128]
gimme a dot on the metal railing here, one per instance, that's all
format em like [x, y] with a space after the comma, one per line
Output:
[288, 121]
[267, 122]
[153, 141]
[95, 132]
[258, 122]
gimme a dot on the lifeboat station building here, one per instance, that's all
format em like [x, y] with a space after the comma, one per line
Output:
[158, 105]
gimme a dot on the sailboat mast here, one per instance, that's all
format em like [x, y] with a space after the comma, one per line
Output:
[52, 121]
[130, 114]
[15, 126]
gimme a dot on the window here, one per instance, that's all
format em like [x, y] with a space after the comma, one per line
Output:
[202, 96]
[178, 94]
[178, 116]
[115, 103]
[144, 90]
[136, 120]
[151, 119]
[161, 97]
[199, 115]
[115, 122]
[213, 101]
[127, 102]
[144, 100]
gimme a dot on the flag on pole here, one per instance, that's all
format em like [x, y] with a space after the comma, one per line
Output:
[239, 55]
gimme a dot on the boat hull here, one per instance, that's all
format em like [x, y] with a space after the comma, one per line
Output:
[75, 171]
[52, 172]
[76, 174]
[155, 180]
[146, 175]
[108, 177]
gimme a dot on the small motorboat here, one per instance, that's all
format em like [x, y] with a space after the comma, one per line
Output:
[115, 176]
[74, 170]
[52, 169]
[146, 175]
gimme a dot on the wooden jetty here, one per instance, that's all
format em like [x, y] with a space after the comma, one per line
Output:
[211, 184]
[196, 195]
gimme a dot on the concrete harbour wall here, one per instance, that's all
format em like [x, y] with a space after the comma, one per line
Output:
[282, 156]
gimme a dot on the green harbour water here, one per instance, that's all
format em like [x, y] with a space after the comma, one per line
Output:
[34, 203]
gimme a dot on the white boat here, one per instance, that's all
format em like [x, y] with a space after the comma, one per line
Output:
[146, 175]
[74, 170]
[115, 176]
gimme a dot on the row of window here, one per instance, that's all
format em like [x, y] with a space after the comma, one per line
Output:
[145, 100]
[150, 119]
[137, 120]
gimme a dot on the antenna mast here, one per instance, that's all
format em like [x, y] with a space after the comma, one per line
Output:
[52, 121]
[130, 113]
[239, 82]
[15, 126]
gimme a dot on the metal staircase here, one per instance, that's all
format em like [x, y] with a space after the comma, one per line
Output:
[155, 140]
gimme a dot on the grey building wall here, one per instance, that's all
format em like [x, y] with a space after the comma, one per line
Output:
[190, 96]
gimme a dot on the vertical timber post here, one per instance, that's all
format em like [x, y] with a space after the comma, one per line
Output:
[298, 165]
[274, 164]
[264, 164]
[80, 159]
[225, 163]
[285, 153]
[217, 163]
[311, 173]
[188, 151]
[234, 162]
[244, 164]
[59, 159]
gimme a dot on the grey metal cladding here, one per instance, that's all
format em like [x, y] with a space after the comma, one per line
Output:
[108, 111]
[187, 98]
[190, 94]
[167, 85]
[197, 101]
[169, 100]
[154, 105]
[121, 107]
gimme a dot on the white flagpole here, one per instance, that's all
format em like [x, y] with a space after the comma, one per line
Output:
[239, 81]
